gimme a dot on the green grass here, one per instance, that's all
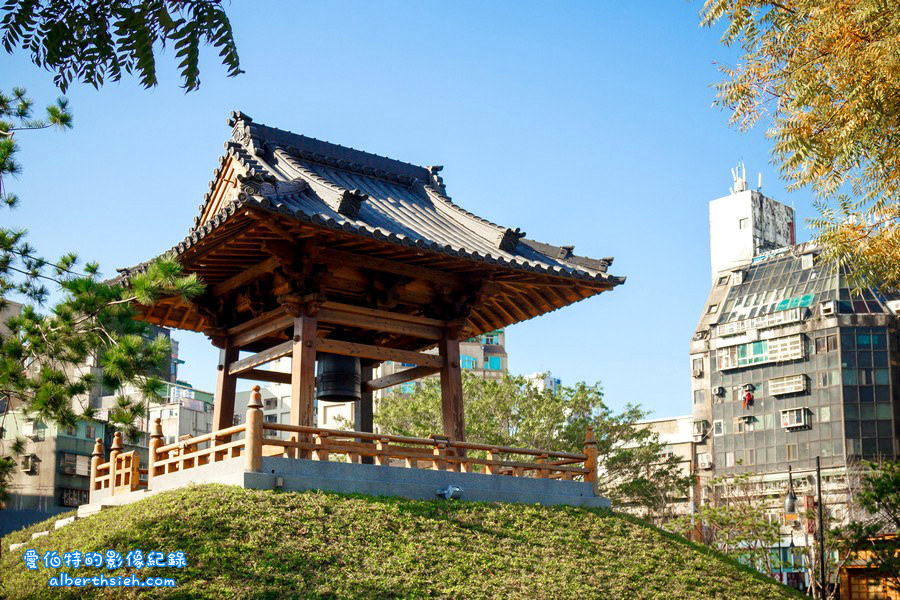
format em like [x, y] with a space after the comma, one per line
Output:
[262, 544]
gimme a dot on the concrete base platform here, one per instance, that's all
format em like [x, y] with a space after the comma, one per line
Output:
[421, 484]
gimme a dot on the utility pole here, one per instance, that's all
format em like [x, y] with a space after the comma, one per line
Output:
[821, 531]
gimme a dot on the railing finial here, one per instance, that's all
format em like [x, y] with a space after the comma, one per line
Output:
[98, 448]
[117, 441]
[156, 431]
[255, 398]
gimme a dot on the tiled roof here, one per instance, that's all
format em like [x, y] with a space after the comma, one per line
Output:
[354, 191]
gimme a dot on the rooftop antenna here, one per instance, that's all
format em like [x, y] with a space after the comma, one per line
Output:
[739, 176]
[759, 183]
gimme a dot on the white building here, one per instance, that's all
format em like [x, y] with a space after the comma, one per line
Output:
[544, 381]
[186, 411]
[745, 224]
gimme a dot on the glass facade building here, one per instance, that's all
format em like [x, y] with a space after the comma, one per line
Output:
[789, 364]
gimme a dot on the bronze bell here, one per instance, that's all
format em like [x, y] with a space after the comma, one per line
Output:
[338, 378]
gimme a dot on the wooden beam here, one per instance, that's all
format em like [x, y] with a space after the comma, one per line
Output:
[373, 312]
[264, 375]
[261, 358]
[259, 327]
[245, 277]
[398, 268]
[451, 387]
[399, 377]
[379, 320]
[379, 353]
[223, 401]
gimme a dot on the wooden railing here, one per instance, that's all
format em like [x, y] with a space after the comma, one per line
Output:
[121, 474]
[314, 443]
[432, 453]
[191, 452]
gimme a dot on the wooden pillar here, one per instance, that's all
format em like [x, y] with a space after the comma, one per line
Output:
[253, 435]
[303, 372]
[155, 442]
[115, 450]
[365, 415]
[590, 450]
[96, 460]
[223, 411]
[451, 387]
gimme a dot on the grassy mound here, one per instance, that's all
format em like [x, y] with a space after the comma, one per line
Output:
[261, 544]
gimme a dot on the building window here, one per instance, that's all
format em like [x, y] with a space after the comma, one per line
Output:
[795, 418]
[749, 456]
[493, 363]
[29, 464]
[73, 498]
[90, 431]
[744, 223]
[699, 396]
[408, 388]
[75, 464]
[722, 280]
[467, 362]
[71, 431]
[824, 414]
[270, 418]
[792, 453]
[729, 459]
[718, 428]
[697, 364]
[236, 420]
[712, 309]
[492, 338]
[270, 403]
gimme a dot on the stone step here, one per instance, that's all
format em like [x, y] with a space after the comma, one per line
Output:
[63, 522]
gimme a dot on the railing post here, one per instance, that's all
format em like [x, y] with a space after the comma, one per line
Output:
[114, 451]
[253, 436]
[542, 472]
[590, 450]
[490, 469]
[321, 441]
[155, 442]
[440, 456]
[96, 459]
[381, 446]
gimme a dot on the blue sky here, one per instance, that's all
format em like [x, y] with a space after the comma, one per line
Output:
[589, 124]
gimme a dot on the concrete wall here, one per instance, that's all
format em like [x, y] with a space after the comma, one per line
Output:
[420, 484]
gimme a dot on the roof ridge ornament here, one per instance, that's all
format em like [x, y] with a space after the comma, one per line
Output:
[436, 180]
[566, 252]
[236, 116]
[350, 202]
[510, 239]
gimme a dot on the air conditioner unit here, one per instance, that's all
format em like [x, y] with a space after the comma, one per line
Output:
[697, 372]
[28, 429]
[719, 391]
[704, 461]
[737, 278]
[806, 261]
[828, 309]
